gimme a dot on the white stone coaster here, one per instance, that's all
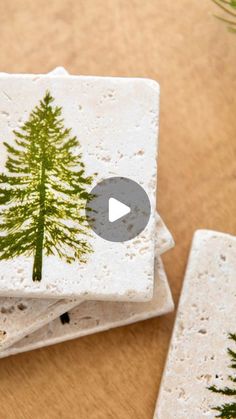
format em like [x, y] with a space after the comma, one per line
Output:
[96, 316]
[164, 240]
[206, 315]
[46, 249]
[20, 317]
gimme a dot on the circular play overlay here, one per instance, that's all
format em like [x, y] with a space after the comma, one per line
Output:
[119, 209]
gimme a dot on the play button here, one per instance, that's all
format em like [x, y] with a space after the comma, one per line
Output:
[119, 209]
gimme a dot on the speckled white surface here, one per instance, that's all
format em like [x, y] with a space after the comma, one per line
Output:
[116, 121]
[164, 240]
[96, 316]
[22, 316]
[206, 314]
[19, 317]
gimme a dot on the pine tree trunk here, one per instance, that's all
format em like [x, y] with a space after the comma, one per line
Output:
[38, 258]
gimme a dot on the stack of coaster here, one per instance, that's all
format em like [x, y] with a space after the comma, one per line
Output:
[197, 380]
[60, 135]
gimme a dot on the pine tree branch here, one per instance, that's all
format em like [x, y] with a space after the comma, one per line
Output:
[232, 336]
[232, 354]
[14, 180]
[226, 390]
[227, 411]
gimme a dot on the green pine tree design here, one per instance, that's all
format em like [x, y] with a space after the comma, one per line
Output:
[43, 191]
[228, 410]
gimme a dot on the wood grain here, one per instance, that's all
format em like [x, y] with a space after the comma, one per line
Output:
[116, 374]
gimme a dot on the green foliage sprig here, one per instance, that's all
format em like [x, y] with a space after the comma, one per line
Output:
[229, 9]
[227, 410]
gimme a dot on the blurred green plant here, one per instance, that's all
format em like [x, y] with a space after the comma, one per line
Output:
[229, 9]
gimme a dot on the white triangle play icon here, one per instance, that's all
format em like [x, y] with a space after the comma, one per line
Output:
[117, 209]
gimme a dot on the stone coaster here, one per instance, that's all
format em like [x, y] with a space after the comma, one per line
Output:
[96, 316]
[206, 315]
[20, 317]
[164, 240]
[60, 137]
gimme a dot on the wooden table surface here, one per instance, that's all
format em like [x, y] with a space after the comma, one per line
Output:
[116, 374]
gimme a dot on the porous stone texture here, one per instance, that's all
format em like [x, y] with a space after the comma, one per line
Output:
[116, 122]
[163, 240]
[96, 316]
[22, 316]
[198, 351]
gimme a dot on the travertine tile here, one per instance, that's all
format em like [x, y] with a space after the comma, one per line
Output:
[20, 317]
[96, 316]
[164, 240]
[206, 315]
[115, 121]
